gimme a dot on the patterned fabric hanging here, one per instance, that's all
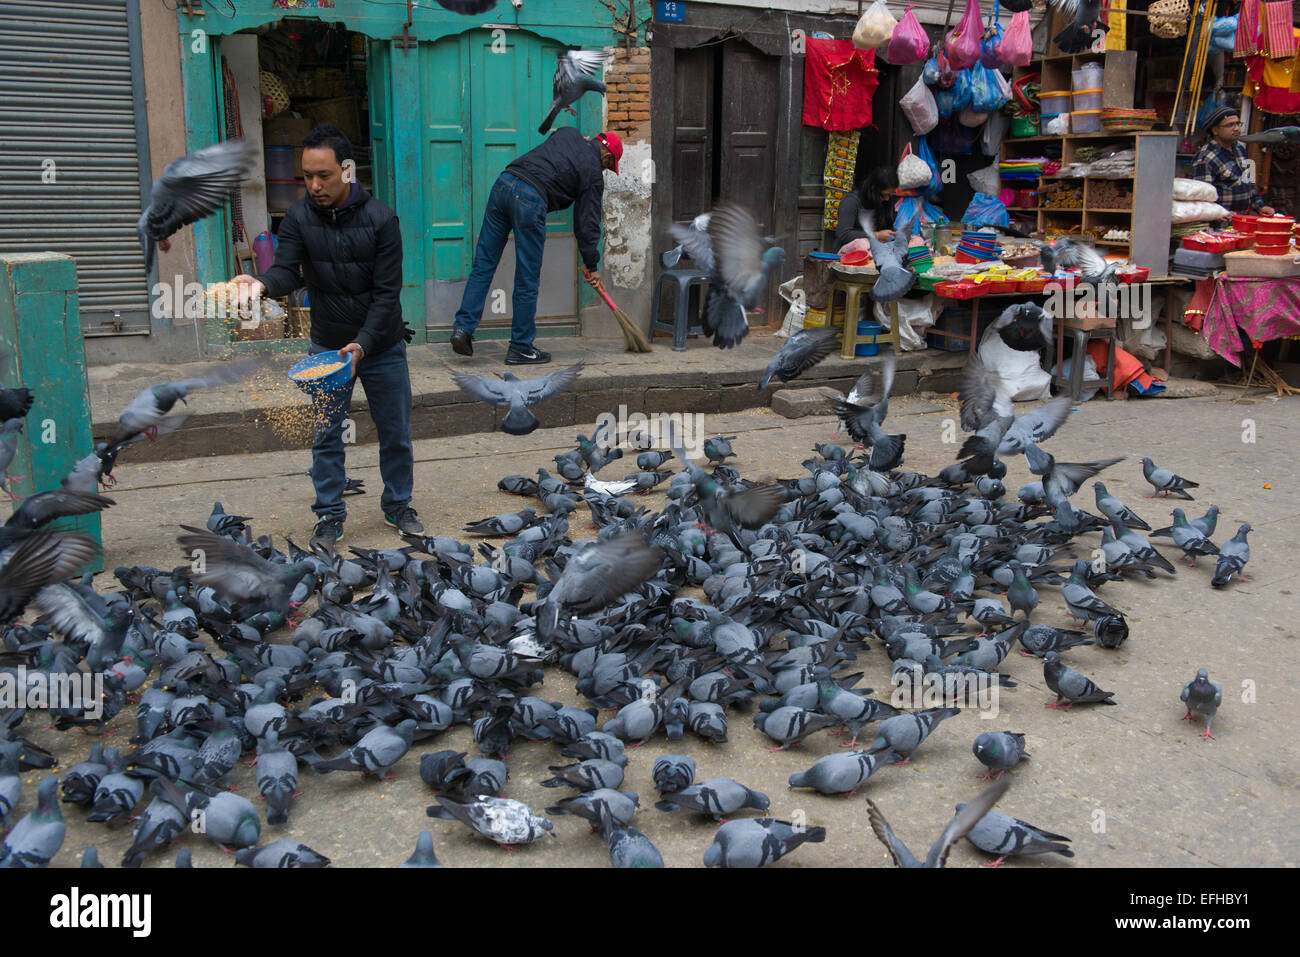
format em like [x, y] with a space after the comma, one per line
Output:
[1279, 37]
[1247, 43]
[841, 161]
[838, 83]
[234, 130]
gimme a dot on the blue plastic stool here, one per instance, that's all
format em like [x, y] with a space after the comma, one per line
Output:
[686, 320]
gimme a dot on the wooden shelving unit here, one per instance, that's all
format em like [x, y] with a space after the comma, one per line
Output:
[1150, 185]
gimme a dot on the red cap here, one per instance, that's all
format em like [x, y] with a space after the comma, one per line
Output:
[614, 143]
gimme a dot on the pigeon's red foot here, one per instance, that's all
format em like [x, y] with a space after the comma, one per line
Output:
[1187, 717]
[1209, 736]
[996, 863]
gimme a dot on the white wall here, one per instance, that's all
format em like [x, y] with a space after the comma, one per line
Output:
[240, 52]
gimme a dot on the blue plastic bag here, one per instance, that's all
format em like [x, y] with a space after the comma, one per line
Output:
[962, 91]
[936, 185]
[930, 72]
[986, 92]
[985, 210]
[989, 55]
[1223, 33]
[911, 206]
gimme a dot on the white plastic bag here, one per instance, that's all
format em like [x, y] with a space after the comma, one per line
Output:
[913, 172]
[1194, 191]
[921, 110]
[792, 292]
[1021, 376]
[914, 317]
[874, 28]
[986, 180]
[994, 131]
[1198, 212]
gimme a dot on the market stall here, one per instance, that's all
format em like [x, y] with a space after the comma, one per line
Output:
[1105, 169]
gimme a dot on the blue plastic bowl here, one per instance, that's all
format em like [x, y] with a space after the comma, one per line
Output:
[868, 328]
[326, 383]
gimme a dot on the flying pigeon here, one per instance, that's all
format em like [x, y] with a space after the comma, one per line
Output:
[1025, 327]
[191, 188]
[1279, 134]
[863, 414]
[147, 415]
[801, 352]
[889, 258]
[517, 394]
[966, 818]
[575, 74]
[1203, 697]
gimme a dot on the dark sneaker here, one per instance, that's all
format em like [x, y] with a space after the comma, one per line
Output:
[462, 343]
[328, 529]
[405, 521]
[526, 357]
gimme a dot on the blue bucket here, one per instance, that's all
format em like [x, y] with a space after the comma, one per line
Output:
[868, 328]
[326, 383]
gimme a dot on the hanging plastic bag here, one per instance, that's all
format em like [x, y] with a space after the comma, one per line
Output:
[951, 138]
[985, 180]
[962, 93]
[918, 105]
[909, 43]
[989, 55]
[944, 101]
[947, 73]
[986, 97]
[875, 27]
[913, 172]
[930, 72]
[1017, 46]
[963, 43]
[925, 213]
[935, 185]
[1223, 35]
[995, 130]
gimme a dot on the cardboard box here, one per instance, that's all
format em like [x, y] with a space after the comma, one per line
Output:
[285, 130]
[1245, 263]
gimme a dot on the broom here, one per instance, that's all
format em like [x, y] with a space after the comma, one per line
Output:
[636, 341]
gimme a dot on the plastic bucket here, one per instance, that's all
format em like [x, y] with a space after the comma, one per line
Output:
[305, 373]
[1024, 125]
[868, 328]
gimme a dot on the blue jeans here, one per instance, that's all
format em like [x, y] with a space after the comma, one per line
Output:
[387, 381]
[512, 205]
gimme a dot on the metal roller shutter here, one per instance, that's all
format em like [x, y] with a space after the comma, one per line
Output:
[67, 97]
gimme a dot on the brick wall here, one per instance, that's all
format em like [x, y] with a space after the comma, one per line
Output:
[627, 79]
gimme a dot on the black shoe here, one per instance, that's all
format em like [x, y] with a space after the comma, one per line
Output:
[462, 343]
[531, 356]
[328, 530]
[404, 521]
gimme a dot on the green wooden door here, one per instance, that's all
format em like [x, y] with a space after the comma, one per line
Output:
[483, 99]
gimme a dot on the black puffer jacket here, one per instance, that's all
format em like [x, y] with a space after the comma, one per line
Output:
[566, 170]
[351, 259]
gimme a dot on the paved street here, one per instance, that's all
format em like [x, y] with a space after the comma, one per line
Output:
[1132, 785]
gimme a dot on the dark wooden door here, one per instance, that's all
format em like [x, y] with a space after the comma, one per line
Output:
[748, 130]
[693, 134]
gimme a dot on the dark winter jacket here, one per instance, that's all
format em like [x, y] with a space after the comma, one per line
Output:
[849, 228]
[351, 259]
[565, 170]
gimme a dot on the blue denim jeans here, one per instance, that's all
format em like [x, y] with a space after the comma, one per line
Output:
[387, 382]
[512, 206]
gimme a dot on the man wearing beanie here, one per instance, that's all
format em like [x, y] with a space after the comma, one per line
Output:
[566, 170]
[1222, 163]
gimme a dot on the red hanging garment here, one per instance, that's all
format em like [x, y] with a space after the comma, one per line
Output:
[839, 81]
[1279, 37]
[1247, 43]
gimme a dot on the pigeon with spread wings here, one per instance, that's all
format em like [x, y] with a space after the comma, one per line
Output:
[517, 394]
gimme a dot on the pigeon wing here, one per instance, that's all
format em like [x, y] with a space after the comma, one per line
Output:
[696, 244]
[964, 821]
[484, 389]
[547, 386]
[737, 249]
[885, 834]
[232, 570]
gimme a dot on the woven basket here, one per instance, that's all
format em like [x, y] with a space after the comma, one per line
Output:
[274, 87]
[1122, 120]
[1169, 18]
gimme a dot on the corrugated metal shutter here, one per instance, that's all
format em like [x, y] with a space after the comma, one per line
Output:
[66, 95]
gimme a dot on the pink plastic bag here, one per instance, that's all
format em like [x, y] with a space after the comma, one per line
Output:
[1017, 47]
[908, 44]
[963, 43]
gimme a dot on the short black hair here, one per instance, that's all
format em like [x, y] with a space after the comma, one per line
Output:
[875, 183]
[325, 134]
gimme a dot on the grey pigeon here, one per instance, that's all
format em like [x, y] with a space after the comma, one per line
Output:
[1233, 555]
[842, 773]
[1071, 686]
[226, 819]
[1021, 595]
[191, 187]
[281, 853]
[11, 785]
[966, 818]
[1025, 327]
[754, 842]
[592, 805]
[851, 709]
[740, 264]
[673, 772]
[628, 847]
[505, 821]
[575, 74]
[1085, 16]
[788, 726]
[517, 394]
[1082, 602]
[376, 753]
[424, 855]
[1115, 510]
[588, 775]
[90, 858]
[863, 414]
[1163, 480]
[889, 258]
[43, 558]
[801, 352]
[999, 751]
[597, 575]
[905, 732]
[1206, 524]
[716, 797]
[510, 523]
[35, 839]
[277, 777]
[1203, 697]
[160, 825]
[147, 415]
[1190, 539]
[1038, 640]
[1275, 136]
[1008, 837]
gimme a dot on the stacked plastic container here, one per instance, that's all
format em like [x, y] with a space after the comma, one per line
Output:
[1086, 84]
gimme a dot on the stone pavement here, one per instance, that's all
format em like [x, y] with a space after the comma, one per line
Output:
[234, 419]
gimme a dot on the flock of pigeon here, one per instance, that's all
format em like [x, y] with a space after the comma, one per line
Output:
[733, 596]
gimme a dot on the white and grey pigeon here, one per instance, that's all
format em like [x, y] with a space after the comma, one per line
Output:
[801, 352]
[672, 257]
[517, 394]
[505, 821]
[890, 259]
[1203, 697]
[190, 188]
[863, 414]
[740, 262]
[966, 818]
[575, 74]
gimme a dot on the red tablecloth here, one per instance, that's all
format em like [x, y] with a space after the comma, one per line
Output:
[1263, 308]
